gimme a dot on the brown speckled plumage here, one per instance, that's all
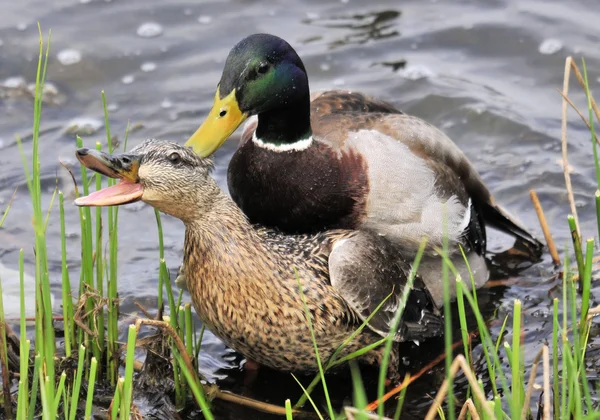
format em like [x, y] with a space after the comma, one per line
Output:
[243, 278]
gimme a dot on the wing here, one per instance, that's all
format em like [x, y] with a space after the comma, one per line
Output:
[416, 175]
[365, 268]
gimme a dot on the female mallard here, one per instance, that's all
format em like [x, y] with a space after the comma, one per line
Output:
[344, 160]
[244, 280]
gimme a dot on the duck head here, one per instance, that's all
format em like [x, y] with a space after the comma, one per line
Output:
[168, 176]
[262, 73]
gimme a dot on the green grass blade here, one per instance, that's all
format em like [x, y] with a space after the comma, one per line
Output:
[314, 340]
[91, 383]
[195, 387]
[555, 382]
[288, 410]
[128, 383]
[45, 398]
[586, 282]
[310, 400]
[448, 326]
[189, 329]
[67, 301]
[34, 386]
[333, 360]
[383, 369]
[401, 399]
[359, 352]
[576, 245]
[464, 331]
[77, 385]
[4, 360]
[59, 392]
[516, 402]
[360, 396]
[116, 403]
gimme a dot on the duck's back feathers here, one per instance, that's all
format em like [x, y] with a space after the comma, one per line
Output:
[370, 167]
[367, 270]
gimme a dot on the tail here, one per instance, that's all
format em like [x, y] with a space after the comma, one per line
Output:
[498, 218]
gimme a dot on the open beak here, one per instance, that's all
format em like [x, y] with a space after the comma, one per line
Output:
[124, 167]
[223, 119]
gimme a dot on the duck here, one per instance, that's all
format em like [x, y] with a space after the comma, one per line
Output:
[248, 283]
[336, 159]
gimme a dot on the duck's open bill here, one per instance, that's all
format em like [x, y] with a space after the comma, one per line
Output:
[125, 167]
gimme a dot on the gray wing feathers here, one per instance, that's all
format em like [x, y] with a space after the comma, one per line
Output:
[365, 269]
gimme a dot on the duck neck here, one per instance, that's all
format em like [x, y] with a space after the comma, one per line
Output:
[286, 127]
[218, 238]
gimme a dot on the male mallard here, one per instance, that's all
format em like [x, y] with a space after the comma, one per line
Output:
[244, 280]
[344, 160]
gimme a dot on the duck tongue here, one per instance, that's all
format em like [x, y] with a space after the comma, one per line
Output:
[122, 193]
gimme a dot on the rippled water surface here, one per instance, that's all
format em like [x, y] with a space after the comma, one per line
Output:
[484, 72]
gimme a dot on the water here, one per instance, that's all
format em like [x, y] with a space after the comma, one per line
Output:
[484, 72]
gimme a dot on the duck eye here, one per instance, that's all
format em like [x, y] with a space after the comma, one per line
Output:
[263, 67]
[174, 158]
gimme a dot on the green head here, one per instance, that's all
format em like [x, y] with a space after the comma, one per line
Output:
[265, 72]
[262, 73]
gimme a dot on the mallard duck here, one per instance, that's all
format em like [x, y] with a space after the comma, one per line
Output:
[340, 159]
[244, 279]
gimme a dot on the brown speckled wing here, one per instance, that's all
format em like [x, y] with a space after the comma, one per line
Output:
[365, 269]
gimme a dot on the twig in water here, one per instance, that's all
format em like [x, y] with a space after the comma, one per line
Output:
[536, 362]
[544, 224]
[470, 407]
[547, 405]
[143, 309]
[583, 117]
[212, 390]
[582, 84]
[565, 160]
[410, 379]
[351, 412]
[459, 363]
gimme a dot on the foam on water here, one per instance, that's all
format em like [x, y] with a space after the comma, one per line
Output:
[550, 46]
[148, 66]
[205, 19]
[416, 72]
[128, 79]
[84, 125]
[149, 30]
[68, 57]
[14, 82]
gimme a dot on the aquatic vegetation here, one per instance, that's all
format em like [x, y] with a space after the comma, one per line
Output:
[60, 376]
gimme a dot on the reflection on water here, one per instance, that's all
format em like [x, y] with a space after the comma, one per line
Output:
[484, 72]
[363, 27]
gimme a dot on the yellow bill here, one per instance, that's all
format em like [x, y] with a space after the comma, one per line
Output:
[223, 119]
